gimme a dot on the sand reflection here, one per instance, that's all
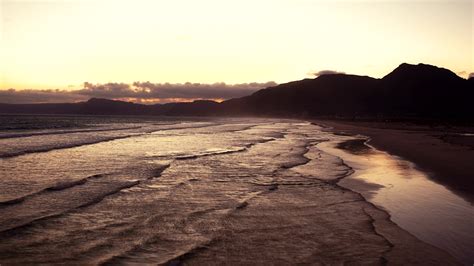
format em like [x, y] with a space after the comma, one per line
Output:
[415, 202]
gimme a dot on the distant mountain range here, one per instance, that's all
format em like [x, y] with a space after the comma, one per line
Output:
[409, 91]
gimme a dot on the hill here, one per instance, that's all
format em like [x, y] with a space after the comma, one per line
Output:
[422, 91]
[410, 91]
[96, 106]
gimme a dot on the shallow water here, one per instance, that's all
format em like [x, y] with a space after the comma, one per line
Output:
[416, 203]
[151, 190]
[109, 191]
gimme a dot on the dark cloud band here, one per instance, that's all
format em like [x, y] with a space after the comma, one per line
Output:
[327, 72]
[138, 91]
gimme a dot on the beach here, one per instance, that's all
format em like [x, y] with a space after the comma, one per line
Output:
[202, 191]
[444, 152]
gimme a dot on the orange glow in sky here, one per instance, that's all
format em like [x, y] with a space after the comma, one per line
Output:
[50, 44]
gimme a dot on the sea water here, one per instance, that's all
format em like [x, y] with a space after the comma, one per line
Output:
[150, 189]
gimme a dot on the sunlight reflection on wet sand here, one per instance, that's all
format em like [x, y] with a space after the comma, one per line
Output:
[415, 202]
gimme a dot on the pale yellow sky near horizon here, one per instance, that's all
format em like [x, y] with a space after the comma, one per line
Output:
[61, 44]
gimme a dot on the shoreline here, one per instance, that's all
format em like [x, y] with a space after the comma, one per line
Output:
[357, 154]
[332, 206]
[404, 248]
[443, 154]
[278, 202]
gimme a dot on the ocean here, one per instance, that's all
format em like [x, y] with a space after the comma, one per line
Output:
[119, 190]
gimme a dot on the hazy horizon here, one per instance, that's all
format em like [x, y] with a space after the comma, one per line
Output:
[148, 92]
[60, 45]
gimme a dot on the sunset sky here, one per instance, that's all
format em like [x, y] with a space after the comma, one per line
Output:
[60, 44]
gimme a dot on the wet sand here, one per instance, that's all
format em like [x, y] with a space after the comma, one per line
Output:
[444, 153]
[417, 204]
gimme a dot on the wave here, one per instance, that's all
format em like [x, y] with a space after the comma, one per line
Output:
[60, 132]
[64, 197]
[210, 153]
[65, 146]
[90, 195]
[186, 255]
[21, 222]
[299, 158]
[214, 128]
[180, 126]
[32, 134]
[156, 172]
[10, 154]
[149, 243]
[56, 187]
[223, 151]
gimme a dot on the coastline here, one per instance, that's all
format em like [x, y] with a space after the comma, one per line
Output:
[266, 203]
[358, 226]
[376, 178]
[361, 227]
[405, 248]
[398, 188]
[443, 153]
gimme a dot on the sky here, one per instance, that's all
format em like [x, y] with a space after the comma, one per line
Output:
[220, 45]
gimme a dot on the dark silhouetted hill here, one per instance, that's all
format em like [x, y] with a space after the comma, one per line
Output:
[425, 90]
[110, 107]
[337, 95]
[96, 106]
[196, 108]
[409, 91]
[93, 106]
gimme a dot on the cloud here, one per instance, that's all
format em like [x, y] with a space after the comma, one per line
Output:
[39, 96]
[144, 92]
[198, 90]
[108, 90]
[148, 90]
[326, 72]
[465, 74]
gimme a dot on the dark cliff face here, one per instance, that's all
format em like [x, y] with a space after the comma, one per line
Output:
[410, 91]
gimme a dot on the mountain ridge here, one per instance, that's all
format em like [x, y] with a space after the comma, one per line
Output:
[421, 90]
